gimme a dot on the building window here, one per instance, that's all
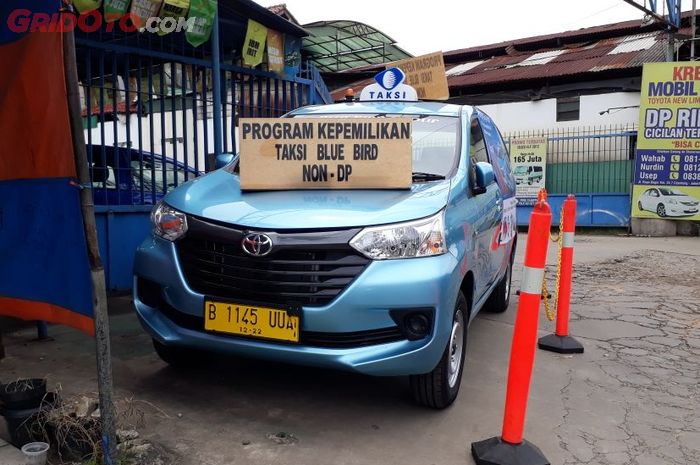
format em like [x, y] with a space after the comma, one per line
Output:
[568, 109]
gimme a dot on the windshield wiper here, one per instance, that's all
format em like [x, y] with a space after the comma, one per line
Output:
[421, 176]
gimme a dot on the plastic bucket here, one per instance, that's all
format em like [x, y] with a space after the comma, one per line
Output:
[19, 425]
[36, 453]
[23, 393]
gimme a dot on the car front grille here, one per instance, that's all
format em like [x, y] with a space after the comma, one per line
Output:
[304, 268]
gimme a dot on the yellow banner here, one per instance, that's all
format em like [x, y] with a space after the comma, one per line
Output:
[173, 9]
[275, 51]
[667, 163]
[254, 44]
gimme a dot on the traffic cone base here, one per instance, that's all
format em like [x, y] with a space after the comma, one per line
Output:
[495, 451]
[560, 344]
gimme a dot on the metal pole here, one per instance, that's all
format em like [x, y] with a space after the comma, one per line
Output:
[216, 82]
[692, 27]
[97, 272]
[671, 50]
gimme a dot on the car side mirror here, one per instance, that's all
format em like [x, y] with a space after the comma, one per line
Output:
[222, 160]
[484, 177]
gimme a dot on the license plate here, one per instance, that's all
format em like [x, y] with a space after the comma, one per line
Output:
[251, 321]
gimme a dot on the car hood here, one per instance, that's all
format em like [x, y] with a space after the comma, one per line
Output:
[218, 196]
[684, 198]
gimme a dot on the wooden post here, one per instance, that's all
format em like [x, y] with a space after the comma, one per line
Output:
[97, 272]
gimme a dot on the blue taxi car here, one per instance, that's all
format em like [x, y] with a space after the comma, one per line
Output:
[380, 282]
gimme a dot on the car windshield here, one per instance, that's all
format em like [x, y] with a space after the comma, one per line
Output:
[520, 169]
[671, 192]
[154, 171]
[435, 140]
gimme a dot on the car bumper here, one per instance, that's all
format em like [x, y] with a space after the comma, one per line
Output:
[365, 305]
[681, 210]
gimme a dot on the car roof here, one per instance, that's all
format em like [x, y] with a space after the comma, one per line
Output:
[394, 108]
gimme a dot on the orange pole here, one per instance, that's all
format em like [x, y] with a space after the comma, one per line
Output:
[522, 354]
[567, 264]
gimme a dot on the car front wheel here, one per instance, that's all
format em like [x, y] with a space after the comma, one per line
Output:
[439, 388]
[661, 210]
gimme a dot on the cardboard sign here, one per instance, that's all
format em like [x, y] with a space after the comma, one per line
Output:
[325, 153]
[426, 74]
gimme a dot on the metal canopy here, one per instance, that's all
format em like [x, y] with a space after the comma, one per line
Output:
[339, 45]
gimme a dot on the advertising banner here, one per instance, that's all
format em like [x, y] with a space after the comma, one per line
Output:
[203, 11]
[141, 10]
[84, 6]
[325, 153]
[173, 9]
[528, 162]
[254, 44]
[115, 9]
[426, 74]
[667, 165]
[292, 55]
[275, 51]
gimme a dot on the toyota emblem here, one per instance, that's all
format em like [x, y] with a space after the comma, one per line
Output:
[256, 244]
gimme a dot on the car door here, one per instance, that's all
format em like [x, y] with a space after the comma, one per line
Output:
[488, 205]
[500, 160]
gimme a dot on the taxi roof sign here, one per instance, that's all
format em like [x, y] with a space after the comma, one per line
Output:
[389, 86]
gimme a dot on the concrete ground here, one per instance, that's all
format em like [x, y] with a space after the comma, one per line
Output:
[631, 398]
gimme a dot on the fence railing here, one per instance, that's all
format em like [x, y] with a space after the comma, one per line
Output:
[587, 159]
[148, 112]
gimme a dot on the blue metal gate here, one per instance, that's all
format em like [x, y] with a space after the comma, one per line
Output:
[148, 109]
[596, 164]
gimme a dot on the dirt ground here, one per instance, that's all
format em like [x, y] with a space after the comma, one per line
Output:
[631, 398]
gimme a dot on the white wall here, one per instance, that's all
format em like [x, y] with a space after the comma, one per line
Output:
[542, 114]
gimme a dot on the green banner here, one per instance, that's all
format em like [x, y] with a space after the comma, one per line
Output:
[254, 44]
[115, 9]
[83, 6]
[203, 11]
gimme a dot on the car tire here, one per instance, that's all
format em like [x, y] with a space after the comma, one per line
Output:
[439, 388]
[177, 357]
[499, 299]
[639, 204]
[661, 210]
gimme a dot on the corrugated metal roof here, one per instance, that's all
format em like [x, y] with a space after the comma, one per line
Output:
[635, 43]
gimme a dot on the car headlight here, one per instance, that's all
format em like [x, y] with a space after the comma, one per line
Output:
[168, 223]
[420, 238]
[673, 201]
